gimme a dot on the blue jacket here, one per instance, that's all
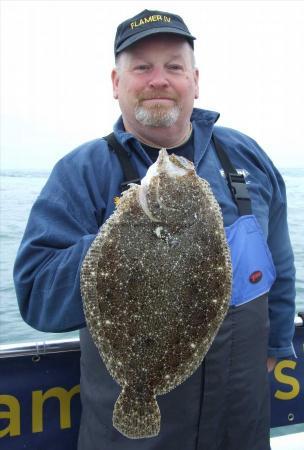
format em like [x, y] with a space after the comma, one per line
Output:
[79, 196]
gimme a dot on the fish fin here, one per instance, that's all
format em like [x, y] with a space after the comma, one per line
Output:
[136, 416]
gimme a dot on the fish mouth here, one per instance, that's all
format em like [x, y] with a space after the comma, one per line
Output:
[173, 165]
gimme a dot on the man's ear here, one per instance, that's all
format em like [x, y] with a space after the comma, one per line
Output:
[115, 81]
[196, 79]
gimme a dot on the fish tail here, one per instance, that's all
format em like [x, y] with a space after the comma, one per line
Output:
[136, 416]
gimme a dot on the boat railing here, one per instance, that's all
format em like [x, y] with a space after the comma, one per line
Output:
[39, 348]
[66, 345]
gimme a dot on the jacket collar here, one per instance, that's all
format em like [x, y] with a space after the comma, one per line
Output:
[202, 123]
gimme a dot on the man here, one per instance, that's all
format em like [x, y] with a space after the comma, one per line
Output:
[224, 405]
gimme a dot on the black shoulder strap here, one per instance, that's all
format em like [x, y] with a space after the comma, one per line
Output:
[236, 182]
[129, 171]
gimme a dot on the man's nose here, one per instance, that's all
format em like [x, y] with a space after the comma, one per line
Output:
[158, 78]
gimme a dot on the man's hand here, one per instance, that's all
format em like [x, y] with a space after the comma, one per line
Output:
[271, 362]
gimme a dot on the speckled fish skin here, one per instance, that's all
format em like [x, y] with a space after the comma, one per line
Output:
[156, 285]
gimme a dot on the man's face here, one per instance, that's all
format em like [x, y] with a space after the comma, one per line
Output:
[156, 83]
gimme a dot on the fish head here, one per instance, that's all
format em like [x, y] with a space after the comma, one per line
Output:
[169, 188]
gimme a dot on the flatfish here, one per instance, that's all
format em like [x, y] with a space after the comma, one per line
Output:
[156, 285]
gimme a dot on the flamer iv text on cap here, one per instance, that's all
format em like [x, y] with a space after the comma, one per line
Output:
[147, 23]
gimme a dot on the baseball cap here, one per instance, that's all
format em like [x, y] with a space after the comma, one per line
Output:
[147, 23]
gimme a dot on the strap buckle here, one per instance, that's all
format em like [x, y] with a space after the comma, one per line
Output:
[238, 186]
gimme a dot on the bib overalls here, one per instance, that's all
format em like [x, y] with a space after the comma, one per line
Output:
[224, 405]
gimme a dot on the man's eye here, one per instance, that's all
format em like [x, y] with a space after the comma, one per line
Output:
[142, 67]
[175, 67]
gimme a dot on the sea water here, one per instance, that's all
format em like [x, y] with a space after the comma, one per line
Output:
[18, 192]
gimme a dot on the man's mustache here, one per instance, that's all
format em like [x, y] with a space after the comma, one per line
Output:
[156, 95]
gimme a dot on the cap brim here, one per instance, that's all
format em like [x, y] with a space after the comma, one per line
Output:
[165, 30]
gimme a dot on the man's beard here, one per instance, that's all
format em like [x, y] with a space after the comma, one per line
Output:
[157, 116]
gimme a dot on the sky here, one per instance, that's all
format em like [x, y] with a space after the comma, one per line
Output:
[56, 58]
